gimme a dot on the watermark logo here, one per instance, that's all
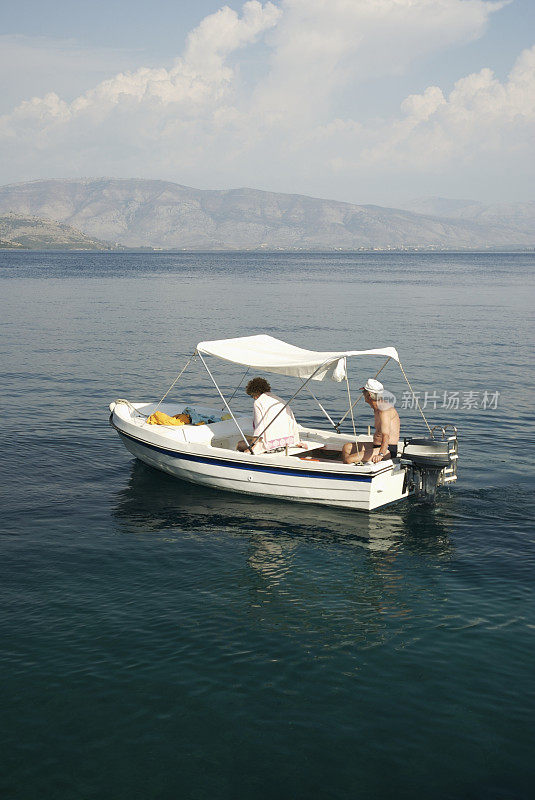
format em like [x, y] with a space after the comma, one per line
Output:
[451, 401]
[386, 399]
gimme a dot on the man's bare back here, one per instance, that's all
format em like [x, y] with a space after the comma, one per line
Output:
[386, 422]
[385, 437]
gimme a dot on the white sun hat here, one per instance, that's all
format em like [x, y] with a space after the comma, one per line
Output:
[373, 385]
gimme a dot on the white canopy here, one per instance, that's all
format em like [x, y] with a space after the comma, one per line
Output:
[267, 354]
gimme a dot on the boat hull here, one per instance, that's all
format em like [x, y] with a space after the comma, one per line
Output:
[354, 489]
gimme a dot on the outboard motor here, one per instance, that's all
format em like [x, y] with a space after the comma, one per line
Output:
[431, 461]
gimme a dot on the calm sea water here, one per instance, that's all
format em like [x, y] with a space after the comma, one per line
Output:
[159, 640]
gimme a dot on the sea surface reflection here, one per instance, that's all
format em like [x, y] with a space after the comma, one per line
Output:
[302, 568]
[153, 502]
[164, 640]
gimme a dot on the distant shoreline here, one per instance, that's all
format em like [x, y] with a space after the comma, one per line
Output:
[265, 251]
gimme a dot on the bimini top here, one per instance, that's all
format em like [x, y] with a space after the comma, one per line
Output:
[267, 354]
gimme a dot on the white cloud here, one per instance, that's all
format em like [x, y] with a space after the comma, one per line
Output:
[32, 66]
[199, 122]
[479, 118]
[198, 79]
[323, 45]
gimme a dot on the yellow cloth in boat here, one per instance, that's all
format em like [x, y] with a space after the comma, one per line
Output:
[160, 418]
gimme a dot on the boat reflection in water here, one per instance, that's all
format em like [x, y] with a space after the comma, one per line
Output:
[153, 502]
[350, 579]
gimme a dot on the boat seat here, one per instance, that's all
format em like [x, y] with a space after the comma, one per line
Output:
[206, 434]
[227, 442]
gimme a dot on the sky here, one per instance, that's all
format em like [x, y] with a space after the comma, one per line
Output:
[368, 101]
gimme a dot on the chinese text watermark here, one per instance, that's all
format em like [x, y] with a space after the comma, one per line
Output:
[451, 401]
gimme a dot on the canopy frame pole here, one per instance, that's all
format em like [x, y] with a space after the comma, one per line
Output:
[417, 401]
[351, 407]
[225, 402]
[190, 359]
[240, 383]
[333, 423]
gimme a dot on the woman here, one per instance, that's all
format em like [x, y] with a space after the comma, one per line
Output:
[274, 425]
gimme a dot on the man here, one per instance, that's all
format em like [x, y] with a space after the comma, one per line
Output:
[387, 425]
[268, 408]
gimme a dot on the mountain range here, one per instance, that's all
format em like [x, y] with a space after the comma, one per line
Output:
[163, 215]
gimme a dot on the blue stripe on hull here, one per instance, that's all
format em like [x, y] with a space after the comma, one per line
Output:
[249, 467]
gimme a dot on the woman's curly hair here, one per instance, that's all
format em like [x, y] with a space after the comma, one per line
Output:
[257, 386]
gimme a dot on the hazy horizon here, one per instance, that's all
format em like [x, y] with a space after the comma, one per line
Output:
[409, 201]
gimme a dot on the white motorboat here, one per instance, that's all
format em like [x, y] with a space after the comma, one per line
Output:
[313, 472]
